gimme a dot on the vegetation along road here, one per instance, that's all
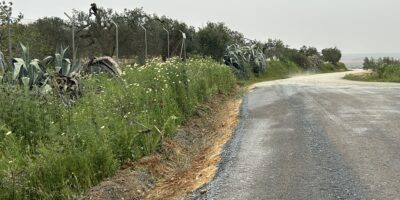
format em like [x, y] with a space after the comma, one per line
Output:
[314, 137]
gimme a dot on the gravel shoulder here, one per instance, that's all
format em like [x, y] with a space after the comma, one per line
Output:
[313, 137]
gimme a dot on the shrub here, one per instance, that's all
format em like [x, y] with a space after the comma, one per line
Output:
[389, 72]
[383, 72]
[375, 64]
[332, 55]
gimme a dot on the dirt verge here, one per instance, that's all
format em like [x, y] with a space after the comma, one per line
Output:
[183, 163]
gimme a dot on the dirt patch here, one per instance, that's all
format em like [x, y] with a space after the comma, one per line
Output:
[183, 163]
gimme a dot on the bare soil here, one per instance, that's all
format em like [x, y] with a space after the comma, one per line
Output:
[183, 163]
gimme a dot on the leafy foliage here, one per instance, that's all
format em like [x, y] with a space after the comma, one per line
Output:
[309, 58]
[275, 49]
[332, 55]
[7, 10]
[213, 39]
[375, 64]
[383, 69]
[7, 19]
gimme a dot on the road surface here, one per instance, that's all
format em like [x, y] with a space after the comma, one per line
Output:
[314, 137]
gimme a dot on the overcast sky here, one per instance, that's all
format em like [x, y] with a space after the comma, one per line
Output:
[355, 26]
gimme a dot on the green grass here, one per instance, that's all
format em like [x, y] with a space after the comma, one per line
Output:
[329, 67]
[51, 151]
[369, 77]
[277, 70]
[285, 69]
[385, 73]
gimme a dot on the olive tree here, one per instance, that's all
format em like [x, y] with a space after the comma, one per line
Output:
[332, 55]
[213, 39]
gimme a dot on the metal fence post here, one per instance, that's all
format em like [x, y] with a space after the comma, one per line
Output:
[145, 40]
[168, 54]
[9, 33]
[72, 19]
[116, 39]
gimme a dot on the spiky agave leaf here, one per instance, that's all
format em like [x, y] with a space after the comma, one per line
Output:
[19, 64]
[25, 82]
[105, 64]
[35, 70]
[46, 62]
[239, 57]
[66, 67]
[35, 63]
[63, 65]
[25, 55]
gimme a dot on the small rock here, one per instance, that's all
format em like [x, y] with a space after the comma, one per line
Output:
[203, 191]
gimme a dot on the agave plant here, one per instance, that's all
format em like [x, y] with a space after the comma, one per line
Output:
[244, 59]
[237, 61]
[31, 73]
[66, 78]
[255, 57]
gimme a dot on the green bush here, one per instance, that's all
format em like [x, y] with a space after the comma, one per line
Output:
[383, 73]
[52, 151]
[332, 55]
[389, 72]
[329, 67]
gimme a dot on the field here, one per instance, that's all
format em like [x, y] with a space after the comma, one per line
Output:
[53, 151]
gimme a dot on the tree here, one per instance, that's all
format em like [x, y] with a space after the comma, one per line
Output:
[52, 33]
[275, 49]
[300, 59]
[6, 19]
[309, 51]
[213, 40]
[95, 30]
[332, 55]
[368, 63]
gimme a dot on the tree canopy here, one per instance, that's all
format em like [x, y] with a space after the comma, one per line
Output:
[332, 55]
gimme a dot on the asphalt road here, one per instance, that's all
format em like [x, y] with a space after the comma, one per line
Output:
[314, 137]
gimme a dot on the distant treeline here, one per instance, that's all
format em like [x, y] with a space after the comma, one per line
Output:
[383, 69]
[375, 64]
[95, 36]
